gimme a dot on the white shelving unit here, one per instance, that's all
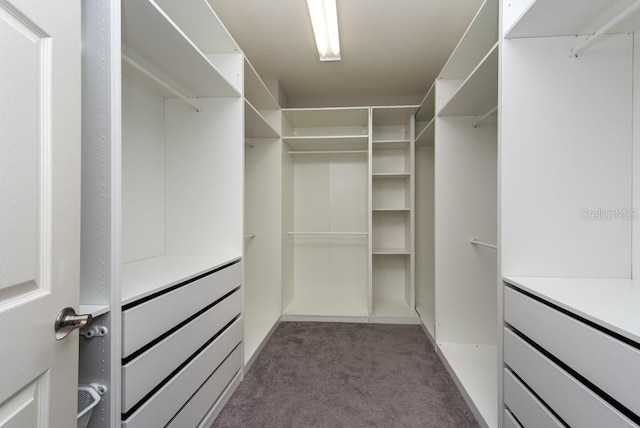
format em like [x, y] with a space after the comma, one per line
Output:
[262, 214]
[326, 199]
[425, 293]
[458, 305]
[162, 153]
[574, 250]
[392, 214]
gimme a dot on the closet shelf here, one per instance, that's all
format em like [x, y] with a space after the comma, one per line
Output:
[390, 144]
[426, 137]
[393, 308]
[334, 142]
[426, 112]
[390, 251]
[385, 175]
[391, 209]
[327, 233]
[94, 310]
[186, 65]
[545, 18]
[255, 124]
[255, 91]
[479, 92]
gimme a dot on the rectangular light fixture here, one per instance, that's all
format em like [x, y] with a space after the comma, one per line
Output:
[324, 19]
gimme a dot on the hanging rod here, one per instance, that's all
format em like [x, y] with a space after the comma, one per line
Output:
[474, 241]
[328, 233]
[324, 152]
[160, 82]
[602, 31]
[250, 236]
[248, 141]
[484, 116]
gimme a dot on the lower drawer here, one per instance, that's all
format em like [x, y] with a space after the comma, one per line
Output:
[510, 421]
[146, 371]
[166, 402]
[576, 404]
[196, 409]
[525, 406]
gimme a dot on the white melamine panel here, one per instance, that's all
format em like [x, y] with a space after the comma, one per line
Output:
[635, 237]
[426, 137]
[481, 35]
[391, 193]
[147, 30]
[204, 177]
[576, 404]
[141, 324]
[143, 177]
[543, 18]
[256, 125]
[390, 230]
[478, 94]
[147, 370]
[167, 401]
[340, 142]
[474, 369]
[610, 303]
[509, 421]
[198, 406]
[426, 111]
[465, 207]
[525, 406]
[391, 160]
[424, 236]
[329, 121]
[390, 276]
[580, 346]
[566, 158]
[263, 218]
[287, 224]
[255, 91]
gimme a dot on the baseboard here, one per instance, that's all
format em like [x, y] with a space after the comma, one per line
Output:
[324, 318]
[428, 334]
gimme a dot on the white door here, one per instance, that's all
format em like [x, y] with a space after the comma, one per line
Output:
[39, 209]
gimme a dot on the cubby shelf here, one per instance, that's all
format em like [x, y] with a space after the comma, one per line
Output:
[337, 142]
[394, 309]
[427, 136]
[390, 251]
[384, 175]
[255, 124]
[186, 65]
[545, 18]
[478, 94]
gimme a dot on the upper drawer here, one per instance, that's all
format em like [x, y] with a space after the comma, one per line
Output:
[608, 363]
[143, 323]
[572, 401]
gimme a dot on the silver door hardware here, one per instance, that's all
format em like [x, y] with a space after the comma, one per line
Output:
[67, 321]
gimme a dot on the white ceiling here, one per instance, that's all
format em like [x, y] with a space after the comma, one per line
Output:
[389, 48]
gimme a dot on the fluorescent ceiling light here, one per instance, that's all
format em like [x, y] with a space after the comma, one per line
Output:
[324, 18]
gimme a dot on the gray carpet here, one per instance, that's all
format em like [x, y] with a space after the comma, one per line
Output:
[346, 375]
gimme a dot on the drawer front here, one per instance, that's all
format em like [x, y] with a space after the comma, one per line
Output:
[143, 323]
[166, 402]
[209, 394]
[510, 421]
[147, 370]
[608, 363]
[525, 406]
[576, 404]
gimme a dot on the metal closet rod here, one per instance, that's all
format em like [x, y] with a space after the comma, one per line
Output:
[474, 241]
[602, 31]
[160, 82]
[249, 142]
[328, 233]
[484, 116]
[324, 152]
[250, 236]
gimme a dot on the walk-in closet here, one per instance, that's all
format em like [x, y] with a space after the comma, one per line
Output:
[202, 180]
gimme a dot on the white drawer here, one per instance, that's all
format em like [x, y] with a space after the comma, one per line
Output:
[510, 421]
[576, 404]
[208, 395]
[147, 370]
[166, 402]
[608, 363]
[145, 322]
[525, 406]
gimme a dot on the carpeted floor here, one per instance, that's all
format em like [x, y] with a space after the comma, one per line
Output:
[346, 375]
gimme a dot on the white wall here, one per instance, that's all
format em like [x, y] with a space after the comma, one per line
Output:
[567, 147]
